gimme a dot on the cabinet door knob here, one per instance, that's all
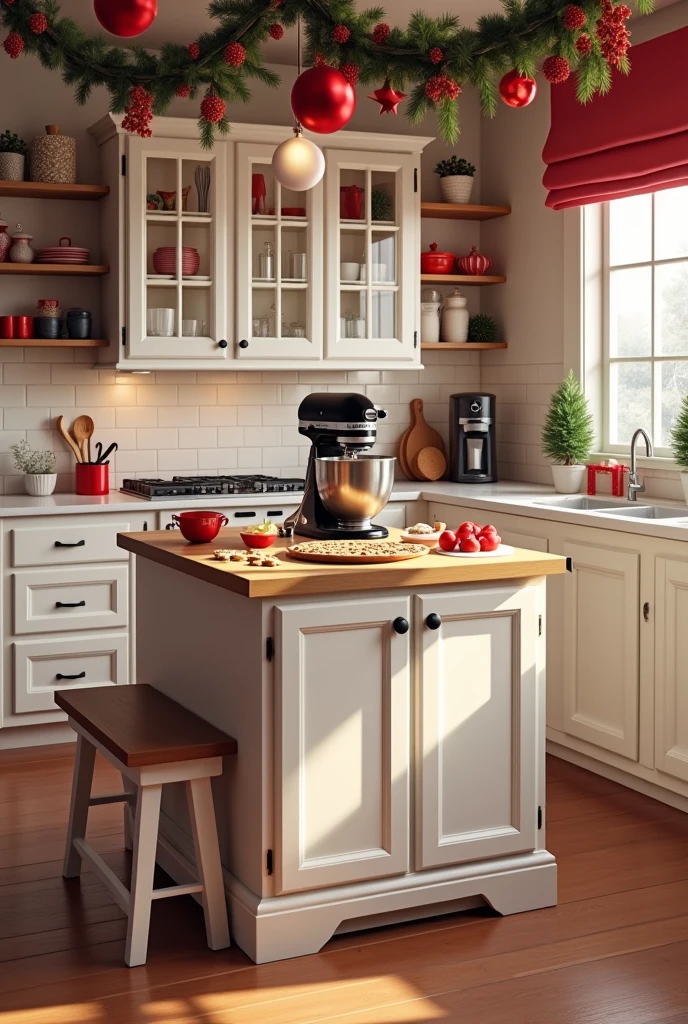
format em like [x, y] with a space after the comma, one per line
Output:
[222, 344]
[243, 343]
[433, 621]
[400, 625]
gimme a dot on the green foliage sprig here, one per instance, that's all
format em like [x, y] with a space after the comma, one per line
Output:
[568, 434]
[454, 165]
[522, 36]
[11, 143]
[32, 460]
[679, 437]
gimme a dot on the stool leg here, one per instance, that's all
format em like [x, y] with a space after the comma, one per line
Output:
[78, 808]
[142, 869]
[207, 849]
[129, 787]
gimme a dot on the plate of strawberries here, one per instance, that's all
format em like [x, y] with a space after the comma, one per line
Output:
[472, 540]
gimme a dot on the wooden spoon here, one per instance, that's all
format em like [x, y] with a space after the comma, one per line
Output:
[83, 429]
[62, 429]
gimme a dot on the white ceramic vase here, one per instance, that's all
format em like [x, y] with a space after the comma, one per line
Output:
[457, 188]
[40, 485]
[455, 318]
[12, 166]
[568, 479]
[684, 482]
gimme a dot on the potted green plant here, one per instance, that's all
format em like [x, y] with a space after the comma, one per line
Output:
[13, 152]
[456, 179]
[679, 444]
[568, 435]
[38, 466]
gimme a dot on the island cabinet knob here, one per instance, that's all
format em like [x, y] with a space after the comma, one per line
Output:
[243, 343]
[222, 343]
[400, 625]
[433, 621]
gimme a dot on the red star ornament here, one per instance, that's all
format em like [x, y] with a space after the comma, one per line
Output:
[388, 98]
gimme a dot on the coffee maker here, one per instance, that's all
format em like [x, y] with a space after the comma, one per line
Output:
[472, 439]
[344, 488]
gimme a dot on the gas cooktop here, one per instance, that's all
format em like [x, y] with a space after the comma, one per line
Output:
[201, 486]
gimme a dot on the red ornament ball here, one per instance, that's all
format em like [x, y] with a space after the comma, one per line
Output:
[183, 90]
[322, 99]
[341, 34]
[276, 31]
[235, 55]
[436, 55]
[38, 23]
[517, 90]
[381, 33]
[556, 70]
[126, 17]
[350, 71]
[213, 109]
[584, 44]
[574, 17]
[14, 45]
[139, 112]
[194, 51]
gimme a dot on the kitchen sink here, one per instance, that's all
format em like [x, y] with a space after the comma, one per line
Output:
[647, 512]
[581, 502]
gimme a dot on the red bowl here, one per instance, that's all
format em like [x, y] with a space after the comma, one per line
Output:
[200, 527]
[259, 540]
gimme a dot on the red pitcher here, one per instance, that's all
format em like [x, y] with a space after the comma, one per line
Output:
[351, 202]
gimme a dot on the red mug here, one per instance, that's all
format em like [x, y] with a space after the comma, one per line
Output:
[200, 527]
[23, 326]
[6, 326]
[92, 478]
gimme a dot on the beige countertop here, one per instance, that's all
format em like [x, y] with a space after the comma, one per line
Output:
[295, 578]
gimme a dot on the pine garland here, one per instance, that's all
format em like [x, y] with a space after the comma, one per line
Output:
[679, 437]
[568, 434]
[526, 33]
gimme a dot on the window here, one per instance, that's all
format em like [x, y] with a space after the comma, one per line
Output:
[645, 316]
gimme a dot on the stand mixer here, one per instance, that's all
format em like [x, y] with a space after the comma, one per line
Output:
[344, 488]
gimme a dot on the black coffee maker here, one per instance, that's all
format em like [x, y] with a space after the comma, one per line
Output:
[472, 439]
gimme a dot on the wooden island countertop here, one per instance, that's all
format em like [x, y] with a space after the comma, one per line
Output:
[294, 578]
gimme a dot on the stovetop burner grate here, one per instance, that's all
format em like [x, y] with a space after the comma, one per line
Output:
[154, 488]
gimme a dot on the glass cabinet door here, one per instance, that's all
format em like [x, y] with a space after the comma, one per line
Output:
[372, 256]
[279, 263]
[177, 250]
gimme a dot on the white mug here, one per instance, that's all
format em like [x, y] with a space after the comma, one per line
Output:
[349, 271]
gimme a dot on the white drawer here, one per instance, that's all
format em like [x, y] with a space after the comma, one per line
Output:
[392, 515]
[62, 600]
[276, 512]
[43, 666]
[62, 544]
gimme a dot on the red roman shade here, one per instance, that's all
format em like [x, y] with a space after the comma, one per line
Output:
[633, 140]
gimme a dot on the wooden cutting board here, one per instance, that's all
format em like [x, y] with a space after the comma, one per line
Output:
[430, 464]
[419, 436]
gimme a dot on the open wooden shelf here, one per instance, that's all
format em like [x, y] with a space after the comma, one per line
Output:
[464, 346]
[55, 269]
[43, 190]
[461, 279]
[53, 343]
[462, 211]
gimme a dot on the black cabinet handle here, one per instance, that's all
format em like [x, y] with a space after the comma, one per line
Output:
[79, 675]
[243, 343]
[222, 344]
[646, 611]
[433, 621]
[400, 625]
[68, 604]
[77, 544]
[245, 515]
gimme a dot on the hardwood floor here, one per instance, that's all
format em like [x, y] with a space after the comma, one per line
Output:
[614, 951]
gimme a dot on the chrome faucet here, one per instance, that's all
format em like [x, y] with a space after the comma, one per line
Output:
[635, 485]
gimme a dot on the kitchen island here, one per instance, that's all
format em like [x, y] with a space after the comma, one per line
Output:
[390, 723]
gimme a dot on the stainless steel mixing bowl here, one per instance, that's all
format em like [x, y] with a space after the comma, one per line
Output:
[354, 490]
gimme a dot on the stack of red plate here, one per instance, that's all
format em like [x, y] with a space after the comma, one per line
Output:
[165, 260]
[70, 254]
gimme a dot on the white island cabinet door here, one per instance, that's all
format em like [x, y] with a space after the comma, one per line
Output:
[479, 731]
[342, 742]
[671, 667]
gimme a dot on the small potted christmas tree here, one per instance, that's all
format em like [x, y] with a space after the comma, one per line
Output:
[679, 444]
[568, 435]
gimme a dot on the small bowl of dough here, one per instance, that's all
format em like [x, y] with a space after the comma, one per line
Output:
[423, 533]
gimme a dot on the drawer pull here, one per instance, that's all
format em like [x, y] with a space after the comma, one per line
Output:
[77, 544]
[70, 604]
[245, 515]
[79, 675]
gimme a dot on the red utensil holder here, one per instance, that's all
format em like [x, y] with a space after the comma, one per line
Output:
[6, 326]
[23, 326]
[92, 479]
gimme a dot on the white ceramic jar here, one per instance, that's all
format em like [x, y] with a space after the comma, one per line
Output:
[455, 318]
[430, 312]
[21, 251]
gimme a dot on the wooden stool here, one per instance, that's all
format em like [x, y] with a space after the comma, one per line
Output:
[151, 740]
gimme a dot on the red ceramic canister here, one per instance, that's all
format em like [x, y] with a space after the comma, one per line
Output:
[6, 326]
[23, 326]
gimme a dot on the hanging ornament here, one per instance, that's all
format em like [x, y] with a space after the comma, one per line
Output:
[194, 51]
[276, 31]
[574, 18]
[322, 100]
[235, 55]
[183, 90]
[14, 45]
[436, 55]
[556, 70]
[213, 109]
[388, 98]
[517, 90]
[584, 45]
[138, 113]
[298, 164]
[350, 71]
[126, 17]
[38, 23]
[612, 34]
[440, 87]
[341, 33]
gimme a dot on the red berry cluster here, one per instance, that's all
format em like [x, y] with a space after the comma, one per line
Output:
[612, 32]
[441, 87]
[276, 31]
[350, 71]
[436, 55]
[584, 44]
[139, 112]
[574, 17]
[556, 70]
[183, 90]
[213, 109]
[341, 34]
[381, 33]
[235, 55]
[319, 59]
[38, 23]
[194, 51]
[14, 45]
